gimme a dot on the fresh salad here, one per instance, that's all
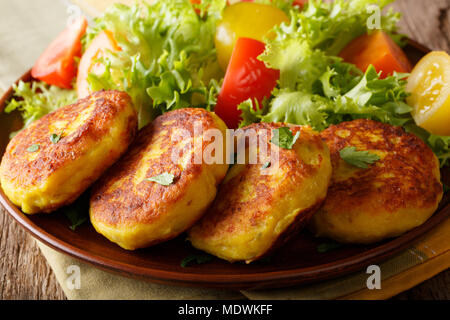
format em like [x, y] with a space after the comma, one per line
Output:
[303, 62]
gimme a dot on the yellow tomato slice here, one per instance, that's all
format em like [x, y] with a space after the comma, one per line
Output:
[245, 19]
[429, 85]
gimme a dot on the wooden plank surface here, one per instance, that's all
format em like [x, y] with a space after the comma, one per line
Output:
[24, 273]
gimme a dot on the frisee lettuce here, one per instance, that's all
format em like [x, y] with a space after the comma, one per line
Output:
[168, 59]
[303, 49]
[330, 100]
[35, 100]
[439, 144]
[317, 88]
[330, 26]
[252, 111]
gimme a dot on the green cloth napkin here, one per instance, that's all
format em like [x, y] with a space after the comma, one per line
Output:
[98, 284]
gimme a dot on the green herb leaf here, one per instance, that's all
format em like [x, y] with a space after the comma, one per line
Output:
[267, 259]
[33, 148]
[328, 246]
[75, 219]
[233, 159]
[77, 213]
[360, 159]
[284, 138]
[266, 165]
[446, 188]
[198, 259]
[54, 138]
[164, 179]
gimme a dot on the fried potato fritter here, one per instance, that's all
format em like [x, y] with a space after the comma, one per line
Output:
[395, 194]
[260, 206]
[52, 162]
[134, 212]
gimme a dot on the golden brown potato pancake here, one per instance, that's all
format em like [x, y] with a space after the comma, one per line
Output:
[260, 206]
[134, 212]
[50, 163]
[395, 194]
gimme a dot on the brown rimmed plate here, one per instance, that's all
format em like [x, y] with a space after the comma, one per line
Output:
[298, 262]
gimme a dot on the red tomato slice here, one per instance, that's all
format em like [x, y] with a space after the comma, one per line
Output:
[379, 50]
[300, 3]
[246, 77]
[196, 2]
[102, 42]
[56, 65]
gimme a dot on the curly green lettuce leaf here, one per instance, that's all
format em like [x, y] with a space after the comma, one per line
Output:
[439, 144]
[330, 26]
[299, 64]
[371, 98]
[168, 58]
[317, 88]
[378, 99]
[303, 49]
[333, 101]
[252, 111]
[298, 107]
[35, 100]
[441, 147]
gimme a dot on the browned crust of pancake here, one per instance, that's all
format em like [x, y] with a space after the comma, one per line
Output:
[301, 221]
[406, 177]
[53, 157]
[228, 213]
[130, 204]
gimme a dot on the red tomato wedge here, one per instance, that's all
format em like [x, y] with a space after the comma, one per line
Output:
[97, 48]
[56, 65]
[196, 2]
[246, 77]
[300, 3]
[379, 50]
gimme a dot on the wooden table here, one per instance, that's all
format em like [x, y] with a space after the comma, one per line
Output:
[25, 274]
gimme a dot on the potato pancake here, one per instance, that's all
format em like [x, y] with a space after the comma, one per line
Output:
[150, 196]
[52, 162]
[393, 195]
[260, 206]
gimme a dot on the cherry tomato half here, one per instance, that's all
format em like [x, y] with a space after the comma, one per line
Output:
[379, 50]
[246, 77]
[299, 3]
[96, 49]
[56, 65]
[245, 20]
